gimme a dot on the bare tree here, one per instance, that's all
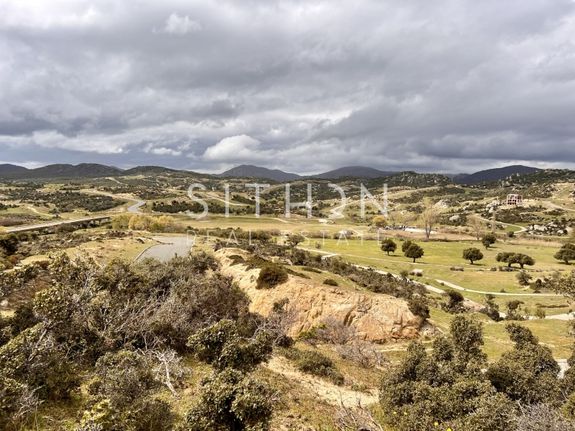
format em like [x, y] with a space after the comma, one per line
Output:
[478, 227]
[542, 417]
[279, 322]
[169, 368]
[356, 418]
[27, 404]
[362, 353]
[334, 331]
[429, 217]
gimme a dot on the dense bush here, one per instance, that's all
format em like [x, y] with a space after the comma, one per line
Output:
[330, 282]
[447, 389]
[271, 274]
[63, 201]
[454, 302]
[419, 306]
[122, 393]
[528, 373]
[119, 328]
[222, 346]
[231, 399]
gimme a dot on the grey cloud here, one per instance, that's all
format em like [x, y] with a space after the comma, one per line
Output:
[449, 86]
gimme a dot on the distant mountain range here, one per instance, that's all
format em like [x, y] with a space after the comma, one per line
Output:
[250, 171]
[489, 175]
[496, 174]
[94, 170]
[353, 172]
[83, 170]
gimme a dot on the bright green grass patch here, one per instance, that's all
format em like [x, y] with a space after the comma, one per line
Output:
[441, 256]
[552, 333]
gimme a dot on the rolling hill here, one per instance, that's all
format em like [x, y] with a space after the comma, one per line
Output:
[496, 174]
[353, 172]
[9, 170]
[250, 171]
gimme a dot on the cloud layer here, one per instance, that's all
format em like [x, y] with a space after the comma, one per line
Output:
[301, 85]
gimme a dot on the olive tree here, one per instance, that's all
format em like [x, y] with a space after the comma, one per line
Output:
[388, 245]
[472, 254]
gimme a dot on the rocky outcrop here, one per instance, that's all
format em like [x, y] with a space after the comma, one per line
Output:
[375, 317]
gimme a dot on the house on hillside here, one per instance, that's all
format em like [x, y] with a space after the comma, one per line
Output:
[514, 199]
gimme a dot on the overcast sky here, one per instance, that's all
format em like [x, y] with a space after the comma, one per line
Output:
[303, 86]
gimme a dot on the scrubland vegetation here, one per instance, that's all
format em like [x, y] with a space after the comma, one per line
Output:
[105, 343]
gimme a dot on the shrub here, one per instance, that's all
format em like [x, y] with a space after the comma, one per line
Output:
[418, 305]
[17, 402]
[454, 302]
[363, 353]
[491, 308]
[121, 394]
[9, 244]
[294, 239]
[312, 362]
[523, 278]
[271, 275]
[488, 240]
[540, 313]
[543, 417]
[222, 346]
[330, 282]
[231, 401]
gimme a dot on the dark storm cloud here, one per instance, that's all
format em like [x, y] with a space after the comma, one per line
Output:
[299, 85]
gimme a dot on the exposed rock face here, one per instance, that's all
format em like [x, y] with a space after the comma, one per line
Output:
[375, 317]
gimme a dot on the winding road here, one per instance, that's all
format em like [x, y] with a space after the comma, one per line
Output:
[168, 248]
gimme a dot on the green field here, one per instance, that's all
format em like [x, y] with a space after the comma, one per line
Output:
[441, 256]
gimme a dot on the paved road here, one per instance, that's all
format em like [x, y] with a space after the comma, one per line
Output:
[135, 209]
[168, 248]
[53, 224]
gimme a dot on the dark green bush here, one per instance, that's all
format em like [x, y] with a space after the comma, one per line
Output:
[271, 275]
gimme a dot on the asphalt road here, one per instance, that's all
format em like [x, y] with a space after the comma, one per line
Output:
[39, 226]
[169, 248]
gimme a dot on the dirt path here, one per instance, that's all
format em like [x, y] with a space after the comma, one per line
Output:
[483, 292]
[329, 392]
[36, 211]
[521, 228]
